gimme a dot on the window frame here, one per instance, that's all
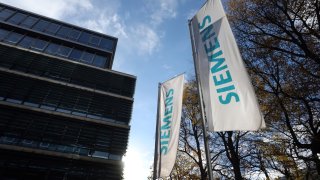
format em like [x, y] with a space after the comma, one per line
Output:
[29, 19]
[23, 17]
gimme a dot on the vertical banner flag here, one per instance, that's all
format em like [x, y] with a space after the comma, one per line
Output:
[169, 118]
[228, 95]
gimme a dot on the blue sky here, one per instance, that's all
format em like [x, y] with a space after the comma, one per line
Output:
[153, 44]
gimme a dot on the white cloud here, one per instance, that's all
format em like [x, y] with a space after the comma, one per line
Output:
[103, 22]
[54, 9]
[166, 66]
[164, 9]
[145, 39]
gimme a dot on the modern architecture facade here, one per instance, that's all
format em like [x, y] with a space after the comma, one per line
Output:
[64, 113]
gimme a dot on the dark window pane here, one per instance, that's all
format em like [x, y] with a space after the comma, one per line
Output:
[26, 42]
[3, 33]
[63, 51]
[4, 14]
[13, 37]
[41, 25]
[17, 18]
[84, 38]
[29, 22]
[87, 57]
[39, 44]
[106, 44]
[52, 28]
[52, 48]
[63, 31]
[74, 34]
[99, 61]
[94, 40]
[75, 54]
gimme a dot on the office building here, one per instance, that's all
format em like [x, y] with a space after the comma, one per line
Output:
[64, 113]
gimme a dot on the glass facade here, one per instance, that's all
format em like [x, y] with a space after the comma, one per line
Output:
[44, 25]
[55, 97]
[37, 44]
[89, 40]
[73, 137]
[64, 113]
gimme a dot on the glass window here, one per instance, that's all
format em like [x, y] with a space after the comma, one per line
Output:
[41, 25]
[26, 42]
[17, 18]
[63, 51]
[47, 107]
[3, 33]
[13, 38]
[63, 110]
[69, 149]
[63, 31]
[44, 145]
[52, 28]
[61, 148]
[31, 104]
[39, 44]
[106, 44]
[52, 48]
[87, 57]
[75, 54]
[74, 34]
[4, 14]
[100, 154]
[84, 38]
[94, 40]
[99, 61]
[29, 22]
[115, 157]
[83, 152]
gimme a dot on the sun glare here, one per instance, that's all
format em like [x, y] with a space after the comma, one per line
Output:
[136, 166]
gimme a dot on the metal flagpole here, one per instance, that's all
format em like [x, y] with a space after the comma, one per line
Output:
[156, 163]
[205, 135]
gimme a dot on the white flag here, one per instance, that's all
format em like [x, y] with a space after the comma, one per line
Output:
[228, 95]
[170, 107]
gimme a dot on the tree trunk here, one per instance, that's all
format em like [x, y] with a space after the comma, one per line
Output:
[234, 158]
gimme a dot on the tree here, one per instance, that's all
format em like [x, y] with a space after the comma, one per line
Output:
[227, 153]
[191, 133]
[280, 41]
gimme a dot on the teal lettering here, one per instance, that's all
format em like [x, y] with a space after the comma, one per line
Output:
[169, 93]
[207, 18]
[168, 111]
[168, 101]
[207, 33]
[225, 89]
[222, 79]
[164, 142]
[167, 121]
[165, 134]
[164, 150]
[218, 62]
[211, 47]
[228, 98]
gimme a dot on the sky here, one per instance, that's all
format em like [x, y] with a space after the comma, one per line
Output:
[153, 44]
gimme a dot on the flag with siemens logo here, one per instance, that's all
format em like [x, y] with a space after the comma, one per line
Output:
[168, 125]
[228, 95]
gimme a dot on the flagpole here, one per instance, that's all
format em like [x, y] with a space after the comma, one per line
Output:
[156, 171]
[203, 122]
